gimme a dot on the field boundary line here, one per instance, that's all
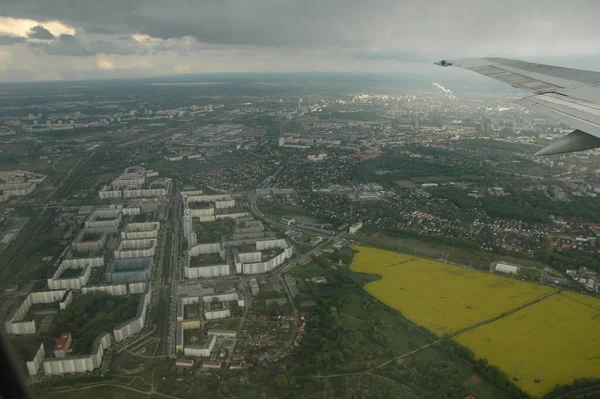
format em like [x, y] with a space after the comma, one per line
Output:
[409, 353]
[354, 318]
[502, 315]
[580, 302]
[368, 372]
[152, 392]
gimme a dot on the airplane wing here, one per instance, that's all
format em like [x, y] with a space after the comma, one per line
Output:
[571, 96]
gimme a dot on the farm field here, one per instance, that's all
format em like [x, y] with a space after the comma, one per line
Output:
[552, 341]
[567, 323]
[443, 298]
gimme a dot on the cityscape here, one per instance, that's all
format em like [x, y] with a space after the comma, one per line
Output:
[214, 238]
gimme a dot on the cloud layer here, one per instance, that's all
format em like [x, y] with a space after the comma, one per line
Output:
[39, 32]
[281, 35]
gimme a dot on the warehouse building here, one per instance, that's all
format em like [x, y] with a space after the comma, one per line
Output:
[506, 268]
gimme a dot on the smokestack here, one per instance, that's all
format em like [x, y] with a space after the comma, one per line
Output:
[442, 88]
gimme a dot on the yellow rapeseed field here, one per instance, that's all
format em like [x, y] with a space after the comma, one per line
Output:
[442, 298]
[555, 340]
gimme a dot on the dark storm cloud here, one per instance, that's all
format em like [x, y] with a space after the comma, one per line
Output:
[425, 25]
[72, 45]
[293, 35]
[39, 32]
[67, 45]
[67, 39]
[7, 40]
[124, 45]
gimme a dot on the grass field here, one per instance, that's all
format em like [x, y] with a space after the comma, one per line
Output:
[387, 335]
[225, 324]
[557, 340]
[443, 298]
[435, 250]
[108, 392]
[550, 342]
[311, 269]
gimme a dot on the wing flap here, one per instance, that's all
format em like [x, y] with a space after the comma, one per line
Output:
[515, 79]
[582, 115]
[522, 77]
[572, 142]
[571, 96]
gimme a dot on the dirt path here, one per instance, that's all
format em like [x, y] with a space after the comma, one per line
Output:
[151, 392]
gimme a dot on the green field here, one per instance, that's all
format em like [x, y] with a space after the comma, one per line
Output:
[101, 392]
[301, 215]
[392, 356]
[430, 249]
[225, 324]
[311, 269]
[400, 336]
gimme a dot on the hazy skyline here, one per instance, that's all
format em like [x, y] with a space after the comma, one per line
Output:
[65, 40]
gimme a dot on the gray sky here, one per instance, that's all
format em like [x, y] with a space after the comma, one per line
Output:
[65, 39]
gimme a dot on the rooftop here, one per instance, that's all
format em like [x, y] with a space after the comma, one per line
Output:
[63, 341]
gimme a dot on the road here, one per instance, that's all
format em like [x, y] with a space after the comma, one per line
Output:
[151, 392]
[291, 299]
[580, 393]
[169, 278]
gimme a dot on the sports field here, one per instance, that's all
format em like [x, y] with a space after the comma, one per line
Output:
[550, 342]
[441, 297]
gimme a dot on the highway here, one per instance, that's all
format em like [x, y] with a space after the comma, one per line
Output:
[171, 263]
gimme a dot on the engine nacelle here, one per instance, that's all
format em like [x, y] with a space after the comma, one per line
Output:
[443, 63]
